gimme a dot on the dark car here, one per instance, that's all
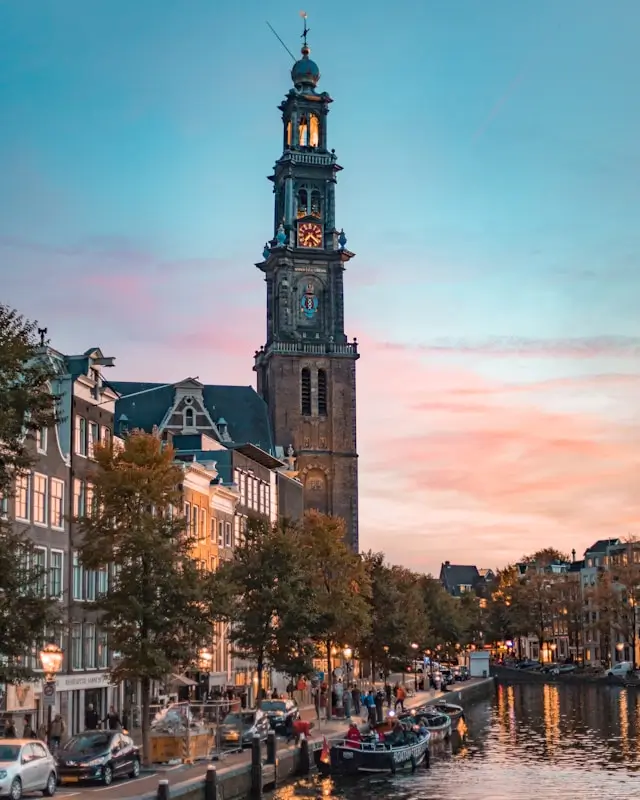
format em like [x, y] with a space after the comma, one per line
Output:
[447, 677]
[98, 756]
[463, 673]
[238, 729]
[279, 712]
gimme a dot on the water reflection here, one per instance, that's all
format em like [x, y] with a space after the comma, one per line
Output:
[530, 741]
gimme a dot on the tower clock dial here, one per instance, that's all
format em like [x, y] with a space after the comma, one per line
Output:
[309, 234]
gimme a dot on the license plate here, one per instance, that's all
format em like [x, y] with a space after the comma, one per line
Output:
[70, 779]
[347, 755]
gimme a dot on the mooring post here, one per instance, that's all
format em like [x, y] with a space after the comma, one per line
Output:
[211, 783]
[305, 761]
[272, 747]
[256, 767]
[163, 790]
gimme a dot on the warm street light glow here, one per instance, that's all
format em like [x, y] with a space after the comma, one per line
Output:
[206, 658]
[415, 646]
[620, 647]
[51, 657]
[347, 652]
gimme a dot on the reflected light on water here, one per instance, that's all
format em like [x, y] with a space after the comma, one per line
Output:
[529, 742]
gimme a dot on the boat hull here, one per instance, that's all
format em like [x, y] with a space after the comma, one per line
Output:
[375, 759]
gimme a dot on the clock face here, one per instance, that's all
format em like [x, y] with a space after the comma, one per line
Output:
[309, 234]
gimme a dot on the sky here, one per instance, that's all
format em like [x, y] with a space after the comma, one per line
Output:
[491, 189]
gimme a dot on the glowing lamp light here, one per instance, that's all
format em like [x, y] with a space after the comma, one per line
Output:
[51, 657]
[347, 652]
[619, 647]
[414, 645]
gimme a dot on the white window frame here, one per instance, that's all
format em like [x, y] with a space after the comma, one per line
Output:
[26, 476]
[93, 437]
[105, 435]
[44, 585]
[189, 411]
[41, 440]
[77, 577]
[102, 577]
[102, 649]
[195, 521]
[90, 585]
[80, 436]
[187, 516]
[220, 533]
[228, 535]
[89, 653]
[39, 477]
[4, 508]
[203, 524]
[77, 646]
[52, 587]
[58, 483]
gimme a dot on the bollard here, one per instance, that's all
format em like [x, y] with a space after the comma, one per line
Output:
[272, 747]
[256, 767]
[163, 790]
[211, 784]
[304, 765]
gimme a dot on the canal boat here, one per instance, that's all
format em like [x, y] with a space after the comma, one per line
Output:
[370, 756]
[453, 711]
[438, 724]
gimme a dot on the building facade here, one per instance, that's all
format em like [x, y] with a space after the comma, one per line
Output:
[306, 370]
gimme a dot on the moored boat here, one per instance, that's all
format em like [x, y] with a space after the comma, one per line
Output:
[438, 724]
[453, 711]
[370, 756]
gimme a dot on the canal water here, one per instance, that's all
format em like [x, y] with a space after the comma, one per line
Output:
[529, 742]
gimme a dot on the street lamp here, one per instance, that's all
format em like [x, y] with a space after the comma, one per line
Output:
[415, 646]
[347, 652]
[51, 658]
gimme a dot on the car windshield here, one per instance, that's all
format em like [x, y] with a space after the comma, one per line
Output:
[86, 742]
[9, 752]
[274, 705]
[240, 719]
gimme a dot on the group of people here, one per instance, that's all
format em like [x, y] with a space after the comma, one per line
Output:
[357, 702]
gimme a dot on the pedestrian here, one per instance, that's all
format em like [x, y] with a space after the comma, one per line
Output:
[91, 718]
[112, 720]
[27, 730]
[346, 699]
[56, 732]
[371, 708]
[355, 696]
[10, 728]
[400, 696]
[388, 693]
[42, 732]
[379, 703]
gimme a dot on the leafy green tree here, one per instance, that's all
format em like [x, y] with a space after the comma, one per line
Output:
[339, 582]
[159, 608]
[27, 404]
[270, 609]
[443, 611]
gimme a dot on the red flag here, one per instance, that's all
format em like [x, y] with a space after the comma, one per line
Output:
[325, 755]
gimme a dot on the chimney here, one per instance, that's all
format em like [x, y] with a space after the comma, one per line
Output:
[447, 563]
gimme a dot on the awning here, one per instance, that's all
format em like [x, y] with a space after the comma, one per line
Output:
[181, 680]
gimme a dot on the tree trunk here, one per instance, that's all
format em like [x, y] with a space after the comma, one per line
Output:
[145, 689]
[260, 671]
[329, 681]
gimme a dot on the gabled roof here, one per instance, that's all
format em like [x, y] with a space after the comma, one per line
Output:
[453, 576]
[602, 545]
[243, 409]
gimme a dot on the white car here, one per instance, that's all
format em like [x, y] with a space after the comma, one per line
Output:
[26, 766]
[620, 670]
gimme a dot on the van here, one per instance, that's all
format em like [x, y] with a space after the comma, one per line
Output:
[620, 670]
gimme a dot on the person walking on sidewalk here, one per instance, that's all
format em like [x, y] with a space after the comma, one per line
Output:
[346, 702]
[355, 696]
[400, 697]
[370, 701]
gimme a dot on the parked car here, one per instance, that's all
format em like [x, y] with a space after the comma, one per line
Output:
[447, 677]
[563, 669]
[98, 756]
[26, 766]
[528, 664]
[279, 712]
[620, 670]
[463, 673]
[239, 729]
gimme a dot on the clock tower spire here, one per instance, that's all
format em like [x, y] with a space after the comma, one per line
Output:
[306, 369]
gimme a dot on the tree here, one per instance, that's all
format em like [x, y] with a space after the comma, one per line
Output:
[27, 405]
[398, 617]
[339, 582]
[159, 608]
[270, 609]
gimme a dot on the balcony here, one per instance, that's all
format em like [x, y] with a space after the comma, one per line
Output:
[346, 349]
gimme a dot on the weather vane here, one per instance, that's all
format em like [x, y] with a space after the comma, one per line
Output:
[303, 14]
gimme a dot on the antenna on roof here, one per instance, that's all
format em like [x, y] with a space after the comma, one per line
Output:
[280, 40]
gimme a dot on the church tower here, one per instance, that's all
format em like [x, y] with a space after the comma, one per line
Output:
[306, 370]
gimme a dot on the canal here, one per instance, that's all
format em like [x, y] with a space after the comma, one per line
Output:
[528, 742]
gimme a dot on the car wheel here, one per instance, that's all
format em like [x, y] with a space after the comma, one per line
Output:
[52, 784]
[135, 771]
[107, 775]
[15, 792]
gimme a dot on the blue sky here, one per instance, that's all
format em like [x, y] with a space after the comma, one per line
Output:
[490, 191]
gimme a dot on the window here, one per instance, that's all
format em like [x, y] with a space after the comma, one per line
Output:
[236, 530]
[39, 566]
[78, 578]
[90, 506]
[94, 437]
[203, 524]
[303, 201]
[189, 418]
[78, 498]
[103, 651]
[243, 489]
[41, 440]
[261, 498]
[56, 509]
[316, 204]
[314, 130]
[305, 391]
[23, 485]
[103, 580]
[213, 524]
[250, 485]
[220, 533]
[81, 435]
[105, 436]
[322, 393]
[56, 560]
[227, 534]
[90, 585]
[76, 645]
[89, 646]
[267, 500]
[4, 507]
[303, 131]
[39, 499]
[194, 521]
[289, 133]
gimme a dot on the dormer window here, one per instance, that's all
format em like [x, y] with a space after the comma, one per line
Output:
[189, 418]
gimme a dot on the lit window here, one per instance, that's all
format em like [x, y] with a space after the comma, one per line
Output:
[314, 130]
[90, 505]
[56, 510]
[303, 131]
[78, 498]
[194, 521]
[289, 133]
[243, 490]
[94, 437]
[41, 440]
[187, 516]
[39, 499]
[203, 524]
[220, 533]
[23, 485]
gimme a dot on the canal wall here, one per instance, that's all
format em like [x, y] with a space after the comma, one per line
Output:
[235, 782]
[507, 676]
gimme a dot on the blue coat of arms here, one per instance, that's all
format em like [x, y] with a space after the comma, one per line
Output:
[309, 302]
